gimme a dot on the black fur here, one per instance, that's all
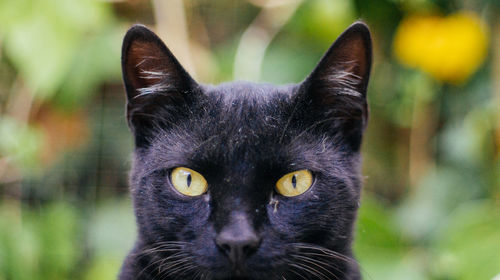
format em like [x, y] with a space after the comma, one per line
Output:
[243, 137]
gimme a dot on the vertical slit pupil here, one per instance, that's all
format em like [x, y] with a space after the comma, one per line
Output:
[294, 181]
[189, 180]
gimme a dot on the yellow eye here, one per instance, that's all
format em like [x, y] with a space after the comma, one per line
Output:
[188, 181]
[295, 183]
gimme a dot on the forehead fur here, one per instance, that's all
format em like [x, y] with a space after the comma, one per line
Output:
[243, 90]
[246, 124]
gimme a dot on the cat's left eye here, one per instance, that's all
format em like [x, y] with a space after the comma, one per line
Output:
[294, 183]
[188, 181]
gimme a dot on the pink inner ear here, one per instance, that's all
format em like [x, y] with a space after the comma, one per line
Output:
[359, 53]
[344, 70]
[146, 64]
[351, 56]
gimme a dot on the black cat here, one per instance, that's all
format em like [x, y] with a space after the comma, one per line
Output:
[245, 180]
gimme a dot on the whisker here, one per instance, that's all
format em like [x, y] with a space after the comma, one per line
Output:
[296, 273]
[324, 252]
[162, 270]
[318, 263]
[162, 247]
[178, 267]
[307, 268]
[313, 252]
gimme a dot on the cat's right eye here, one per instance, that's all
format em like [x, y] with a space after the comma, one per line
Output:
[188, 181]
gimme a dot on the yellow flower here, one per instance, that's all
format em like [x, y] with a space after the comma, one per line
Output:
[448, 48]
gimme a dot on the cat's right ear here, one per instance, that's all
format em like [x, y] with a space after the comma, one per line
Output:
[154, 80]
[337, 86]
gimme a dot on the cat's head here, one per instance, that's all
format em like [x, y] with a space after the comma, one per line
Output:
[208, 160]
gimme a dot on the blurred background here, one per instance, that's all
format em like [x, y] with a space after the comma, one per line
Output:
[431, 201]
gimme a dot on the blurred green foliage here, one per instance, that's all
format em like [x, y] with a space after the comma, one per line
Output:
[39, 245]
[48, 43]
[21, 142]
[430, 209]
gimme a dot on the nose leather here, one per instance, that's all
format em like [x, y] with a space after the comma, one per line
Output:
[238, 239]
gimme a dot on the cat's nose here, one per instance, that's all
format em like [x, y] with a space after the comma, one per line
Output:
[237, 245]
[238, 240]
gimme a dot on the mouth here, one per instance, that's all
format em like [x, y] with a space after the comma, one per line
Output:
[235, 274]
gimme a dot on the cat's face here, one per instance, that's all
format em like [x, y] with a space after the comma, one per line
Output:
[236, 141]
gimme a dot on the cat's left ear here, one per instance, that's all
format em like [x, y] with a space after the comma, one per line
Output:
[338, 84]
